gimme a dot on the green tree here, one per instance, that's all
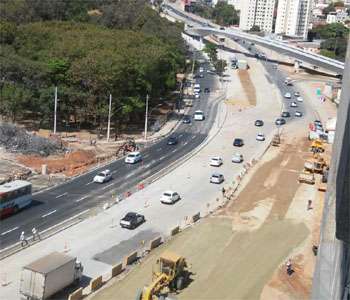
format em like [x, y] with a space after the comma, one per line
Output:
[255, 28]
[225, 14]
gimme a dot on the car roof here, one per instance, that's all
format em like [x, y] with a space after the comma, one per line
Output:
[198, 111]
[168, 192]
[216, 174]
[134, 152]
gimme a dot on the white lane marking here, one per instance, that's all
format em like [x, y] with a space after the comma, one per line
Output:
[49, 213]
[81, 199]
[10, 230]
[107, 186]
[114, 172]
[89, 183]
[193, 137]
[160, 149]
[185, 143]
[180, 135]
[173, 151]
[59, 196]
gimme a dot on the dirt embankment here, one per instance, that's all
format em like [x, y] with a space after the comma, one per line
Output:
[69, 164]
[248, 86]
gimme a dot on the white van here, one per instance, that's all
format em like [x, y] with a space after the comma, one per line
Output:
[198, 115]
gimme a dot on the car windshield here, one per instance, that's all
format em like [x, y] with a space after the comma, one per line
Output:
[167, 194]
[130, 215]
[215, 158]
[132, 155]
[216, 175]
[101, 174]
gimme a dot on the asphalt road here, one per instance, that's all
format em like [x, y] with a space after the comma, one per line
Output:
[69, 199]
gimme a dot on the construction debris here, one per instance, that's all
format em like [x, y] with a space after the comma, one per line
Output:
[18, 140]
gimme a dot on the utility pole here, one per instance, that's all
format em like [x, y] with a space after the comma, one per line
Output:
[146, 118]
[193, 60]
[109, 117]
[55, 113]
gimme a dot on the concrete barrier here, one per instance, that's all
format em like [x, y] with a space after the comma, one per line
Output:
[196, 217]
[155, 243]
[96, 283]
[128, 260]
[175, 231]
[76, 295]
[117, 269]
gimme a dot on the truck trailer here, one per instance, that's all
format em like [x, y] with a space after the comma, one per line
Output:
[47, 275]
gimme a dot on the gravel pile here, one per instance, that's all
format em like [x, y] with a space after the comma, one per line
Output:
[15, 139]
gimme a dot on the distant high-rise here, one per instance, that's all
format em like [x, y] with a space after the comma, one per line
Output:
[258, 13]
[293, 17]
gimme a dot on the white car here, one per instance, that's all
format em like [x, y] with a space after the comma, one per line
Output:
[298, 114]
[198, 115]
[217, 178]
[196, 90]
[103, 176]
[300, 99]
[237, 158]
[197, 96]
[169, 197]
[216, 161]
[201, 70]
[260, 137]
[296, 94]
[293, 104]
[133, 157]
[287, 95]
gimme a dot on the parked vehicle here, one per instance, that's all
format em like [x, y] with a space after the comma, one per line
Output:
[259, 123]
[260, 137]
[198, 115]
[285, 114]
[186, 120]
[169, 197]
[103, 176]
[47, 275]
[206, 90]
[298, 114]
[300, 99]
[14, 196]
[238, 142]
[237, 158]
[217, 178]
[132, 220]
[216, 161]
[133, 157]
[293, 104]
[296, 94]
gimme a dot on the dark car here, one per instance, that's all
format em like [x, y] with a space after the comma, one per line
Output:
[222, 28]
[172, 140]
[206, 90]
[259, 123]
[132, 220]
[285, 114]
[186, 120]
[280, 121]
[238, 142]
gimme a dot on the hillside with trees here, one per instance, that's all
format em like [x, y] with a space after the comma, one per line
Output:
[87, 49]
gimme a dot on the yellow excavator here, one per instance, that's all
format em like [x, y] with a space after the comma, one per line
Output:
[171, 275]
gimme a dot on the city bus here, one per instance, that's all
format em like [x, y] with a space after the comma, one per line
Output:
[14, 196]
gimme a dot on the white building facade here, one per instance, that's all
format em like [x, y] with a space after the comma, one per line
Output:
[258, 13]
[293, 17]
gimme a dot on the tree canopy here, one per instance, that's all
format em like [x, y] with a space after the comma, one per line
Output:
[222, 14]
[88, 49]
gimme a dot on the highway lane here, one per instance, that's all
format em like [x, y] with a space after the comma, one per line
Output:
[61, 202]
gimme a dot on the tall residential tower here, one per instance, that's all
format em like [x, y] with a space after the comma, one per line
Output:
[293, 17]
[258, 13]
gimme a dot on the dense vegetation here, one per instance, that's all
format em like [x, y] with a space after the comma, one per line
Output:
[222, 14]
[212, 52]
[335, 38]
[88, 49]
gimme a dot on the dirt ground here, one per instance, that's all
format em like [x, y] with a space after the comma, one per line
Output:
[248, 86]
[240, 251]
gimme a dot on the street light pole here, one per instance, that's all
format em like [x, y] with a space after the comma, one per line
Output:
[109, 117]
[146, 118]
[55, 112]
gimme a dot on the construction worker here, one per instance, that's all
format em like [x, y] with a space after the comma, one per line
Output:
[309, 204]
[223, 192]
[289, 269]
[23, 240]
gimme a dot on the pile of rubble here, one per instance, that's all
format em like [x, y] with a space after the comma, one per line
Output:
[15, 139]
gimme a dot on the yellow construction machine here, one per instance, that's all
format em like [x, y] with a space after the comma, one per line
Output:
[317, 146]
[171, 274]
[316, 165]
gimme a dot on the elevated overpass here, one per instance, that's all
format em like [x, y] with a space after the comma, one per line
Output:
[203, 28]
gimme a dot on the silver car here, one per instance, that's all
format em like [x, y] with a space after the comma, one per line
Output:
[217, 178]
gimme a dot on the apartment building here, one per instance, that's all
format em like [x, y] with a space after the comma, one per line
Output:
[293, 17]
[258, 13]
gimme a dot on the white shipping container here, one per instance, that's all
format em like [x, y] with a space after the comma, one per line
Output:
[48, 275]
[242, 64]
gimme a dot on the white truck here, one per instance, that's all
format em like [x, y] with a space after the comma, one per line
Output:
[47, 275]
